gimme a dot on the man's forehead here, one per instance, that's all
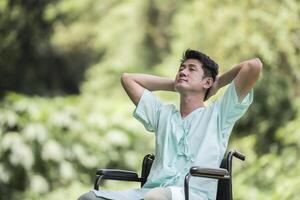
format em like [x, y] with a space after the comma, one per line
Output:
[192, 61]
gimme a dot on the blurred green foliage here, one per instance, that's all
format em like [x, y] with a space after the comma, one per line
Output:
[50, 147]
[29, 62]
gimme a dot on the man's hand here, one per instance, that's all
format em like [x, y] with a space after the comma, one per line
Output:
[214, 88]
[244, 75]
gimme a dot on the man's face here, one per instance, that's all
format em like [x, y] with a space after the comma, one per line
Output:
[190, 77]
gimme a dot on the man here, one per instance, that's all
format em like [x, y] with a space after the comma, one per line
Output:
[195, 135]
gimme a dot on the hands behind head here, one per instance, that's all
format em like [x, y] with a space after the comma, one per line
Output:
[213, 89]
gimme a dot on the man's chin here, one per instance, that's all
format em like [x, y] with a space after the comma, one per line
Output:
[180, 88]
[184, 89]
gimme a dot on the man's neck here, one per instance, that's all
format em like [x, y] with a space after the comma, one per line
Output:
[189, 103]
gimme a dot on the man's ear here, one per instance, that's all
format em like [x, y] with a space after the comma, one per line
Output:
[208, 82]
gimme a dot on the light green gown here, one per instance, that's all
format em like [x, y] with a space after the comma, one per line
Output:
[199, 139]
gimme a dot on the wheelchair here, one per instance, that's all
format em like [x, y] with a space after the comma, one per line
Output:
[223, 174]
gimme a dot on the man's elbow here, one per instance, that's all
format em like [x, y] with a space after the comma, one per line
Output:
[125, 77]
[254, 66]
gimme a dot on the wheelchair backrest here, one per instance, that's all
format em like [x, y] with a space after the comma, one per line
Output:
[146, 166]
[224, 185]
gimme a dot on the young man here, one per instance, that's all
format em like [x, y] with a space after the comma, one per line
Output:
[194, 135]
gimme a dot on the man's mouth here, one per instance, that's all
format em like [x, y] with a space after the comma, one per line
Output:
[182, 80]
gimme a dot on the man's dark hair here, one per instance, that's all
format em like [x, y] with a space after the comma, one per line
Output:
[210, 67]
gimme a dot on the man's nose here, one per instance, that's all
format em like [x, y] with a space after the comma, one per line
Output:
[182, 73]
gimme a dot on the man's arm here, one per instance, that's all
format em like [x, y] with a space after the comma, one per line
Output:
[135, 84]
[244, 75]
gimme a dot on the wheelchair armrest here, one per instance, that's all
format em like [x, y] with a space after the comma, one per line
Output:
[216, 173]
[116, 174]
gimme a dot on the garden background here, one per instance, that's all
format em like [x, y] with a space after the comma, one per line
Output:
[63, 112]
